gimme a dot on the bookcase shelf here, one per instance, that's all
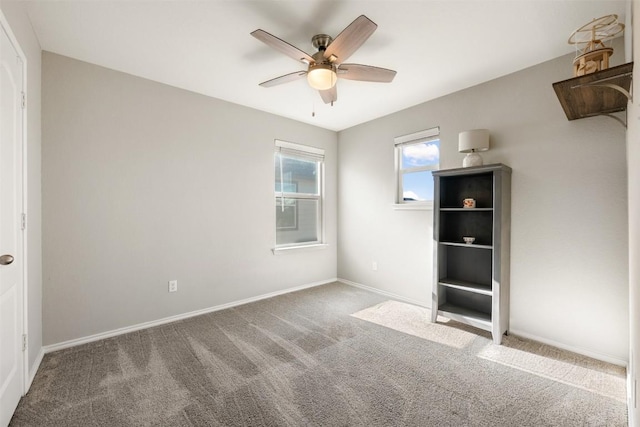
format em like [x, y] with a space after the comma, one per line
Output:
[464, 315]
[471, 281]
[467, 245]
[465, 209]
[466, 286]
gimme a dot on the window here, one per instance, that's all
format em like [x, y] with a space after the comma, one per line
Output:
[298, 195]
[417, 154]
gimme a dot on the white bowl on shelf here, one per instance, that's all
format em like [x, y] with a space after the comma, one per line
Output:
[469, 240]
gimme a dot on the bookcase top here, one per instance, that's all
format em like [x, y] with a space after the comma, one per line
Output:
[495, 167]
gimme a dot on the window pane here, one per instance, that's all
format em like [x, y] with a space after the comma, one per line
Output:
[417, 186]
[297, 222]
[420, 154]
[298, 175]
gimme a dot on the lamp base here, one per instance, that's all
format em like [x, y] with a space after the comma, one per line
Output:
[472, 159]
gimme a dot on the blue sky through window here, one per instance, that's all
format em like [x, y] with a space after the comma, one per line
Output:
[417, 186]
[416, 163]
[422, 154]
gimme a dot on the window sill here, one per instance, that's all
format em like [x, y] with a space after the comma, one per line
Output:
[302, 248]
[428, 206]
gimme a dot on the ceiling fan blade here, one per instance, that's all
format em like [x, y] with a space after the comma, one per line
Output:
[329, 96]
[366, 73]
[284, 79]
[350, 39]
[282, 46]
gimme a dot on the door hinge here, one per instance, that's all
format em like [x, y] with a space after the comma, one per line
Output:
[24, 342]
[24, 100]
[23, 221]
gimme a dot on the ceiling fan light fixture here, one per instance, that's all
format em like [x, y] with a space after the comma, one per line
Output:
[322, 76]
[323, 66]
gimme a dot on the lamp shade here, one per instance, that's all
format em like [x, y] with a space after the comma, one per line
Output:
[474, 140]
[321, 76]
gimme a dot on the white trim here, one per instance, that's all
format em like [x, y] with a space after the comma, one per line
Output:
[578, 350]
[4, 26]
[299, 151]
[299, 147]
[150, 324]
[383, 293]
[304, 248]
[423, 134]
[34, 370]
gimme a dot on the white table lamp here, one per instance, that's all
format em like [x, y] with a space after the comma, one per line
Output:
[471, 142]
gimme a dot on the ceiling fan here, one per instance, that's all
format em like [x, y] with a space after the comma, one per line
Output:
[327, 64]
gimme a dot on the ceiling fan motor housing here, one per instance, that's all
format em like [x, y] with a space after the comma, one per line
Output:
[325, 65]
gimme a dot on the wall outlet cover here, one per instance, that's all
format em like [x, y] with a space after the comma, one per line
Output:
[173, 286]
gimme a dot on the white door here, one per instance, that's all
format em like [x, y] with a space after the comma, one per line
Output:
[11, 262]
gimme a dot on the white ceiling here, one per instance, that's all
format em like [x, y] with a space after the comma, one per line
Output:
[437, 47]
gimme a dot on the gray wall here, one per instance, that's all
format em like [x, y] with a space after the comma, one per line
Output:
[16, 15]
[569, 205]
[144, 183]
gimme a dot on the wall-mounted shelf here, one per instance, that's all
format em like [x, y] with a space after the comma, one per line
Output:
[603, 92]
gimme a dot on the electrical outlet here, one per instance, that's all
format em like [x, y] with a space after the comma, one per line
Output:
[173, 286]
[374, 265]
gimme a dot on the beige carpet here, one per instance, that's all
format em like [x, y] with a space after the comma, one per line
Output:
[539, 359]
[327, 356]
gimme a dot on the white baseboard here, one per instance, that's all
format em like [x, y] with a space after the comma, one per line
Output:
[578, 350]
[145, 325]
[34, 369]
[383, 293]
[599, 356]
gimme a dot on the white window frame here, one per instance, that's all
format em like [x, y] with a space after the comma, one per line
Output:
[427, 135]
[305, 152]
